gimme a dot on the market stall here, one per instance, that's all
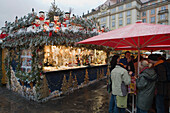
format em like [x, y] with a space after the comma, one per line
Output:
[42, 59]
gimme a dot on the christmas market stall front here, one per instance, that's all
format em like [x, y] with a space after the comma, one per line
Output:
[42, 58]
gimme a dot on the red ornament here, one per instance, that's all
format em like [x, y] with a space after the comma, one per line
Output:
[47, 23]
[41, 18]
[50, 33]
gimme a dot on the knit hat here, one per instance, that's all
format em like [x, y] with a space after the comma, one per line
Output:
[153, 57]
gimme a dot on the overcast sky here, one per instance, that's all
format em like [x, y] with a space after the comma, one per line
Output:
[9, 9]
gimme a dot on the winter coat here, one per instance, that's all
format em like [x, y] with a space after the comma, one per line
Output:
[162, 87]
[146, 87]
[119, 74]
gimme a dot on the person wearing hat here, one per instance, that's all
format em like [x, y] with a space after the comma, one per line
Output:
[57, 23]
[146, 87]
[161, 86]
[119, 76]
[66, 21]
[41, 16]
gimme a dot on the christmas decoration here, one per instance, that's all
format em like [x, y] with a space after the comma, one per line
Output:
[0, 65]
[70, 81]
[86, 78]
[64, 85]
[102, 73]
[75, 83]
[43, 90]
[25, 41]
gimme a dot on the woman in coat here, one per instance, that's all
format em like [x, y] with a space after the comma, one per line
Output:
[118, 75]
[146, 87]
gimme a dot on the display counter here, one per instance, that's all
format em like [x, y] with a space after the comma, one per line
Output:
[55, 77]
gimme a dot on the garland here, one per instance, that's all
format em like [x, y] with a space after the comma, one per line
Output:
[0, 65]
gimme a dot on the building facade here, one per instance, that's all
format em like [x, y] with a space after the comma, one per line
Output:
[115, 14]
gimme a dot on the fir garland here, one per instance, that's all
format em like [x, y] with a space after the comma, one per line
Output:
[0, 65]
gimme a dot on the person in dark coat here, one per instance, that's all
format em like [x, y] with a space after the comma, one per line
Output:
[162, 86]
[127, 61]
[146, 87]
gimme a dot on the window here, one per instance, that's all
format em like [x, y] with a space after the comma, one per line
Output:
[163, 8]
[26, 59]
[120, 22]
[163, 23]
[152, 19]
[103, 19]
[113, 10]
[152, 11]
[103, 12]
[153, 3]
[120, 8]
[95, 15]
[128, 5]
[144, 20]
[120, 15]
[128, 21]
[144, 13]
[113, 17]
[113, 24]
[162, 17]
[128, 13]
[101, 25]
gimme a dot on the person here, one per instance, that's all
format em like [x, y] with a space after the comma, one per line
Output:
[146, 87]
[136, 64]
[118, 75]
[161, 84]
[127, 61]
[129, 65]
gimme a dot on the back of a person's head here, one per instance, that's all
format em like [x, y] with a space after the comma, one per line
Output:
[113, 62]
[144, 63]
[154, 57]
[162, 58]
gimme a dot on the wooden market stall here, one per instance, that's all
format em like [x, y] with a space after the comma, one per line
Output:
[43, 60]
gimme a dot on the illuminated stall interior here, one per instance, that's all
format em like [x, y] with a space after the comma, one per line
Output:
[62, 57]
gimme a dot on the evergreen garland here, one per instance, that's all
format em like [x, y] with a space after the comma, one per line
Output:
[0, 65]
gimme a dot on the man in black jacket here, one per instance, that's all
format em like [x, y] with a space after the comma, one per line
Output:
[161, 85]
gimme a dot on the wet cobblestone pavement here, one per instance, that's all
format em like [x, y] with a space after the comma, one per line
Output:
[91, 99]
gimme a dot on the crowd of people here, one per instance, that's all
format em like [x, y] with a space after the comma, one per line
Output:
[151, 84]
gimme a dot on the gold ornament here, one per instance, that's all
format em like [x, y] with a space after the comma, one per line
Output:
[75, 83]
[64, 85]
[86, 79]
[70, 81]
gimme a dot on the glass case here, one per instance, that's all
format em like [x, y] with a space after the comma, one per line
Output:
[62, 57]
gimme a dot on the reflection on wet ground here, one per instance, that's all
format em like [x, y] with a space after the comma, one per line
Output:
[91, 99]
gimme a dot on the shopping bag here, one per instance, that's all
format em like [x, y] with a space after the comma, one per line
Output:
[124, 89]
[121, 101]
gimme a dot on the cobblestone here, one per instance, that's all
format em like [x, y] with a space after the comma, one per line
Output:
[91, 99]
